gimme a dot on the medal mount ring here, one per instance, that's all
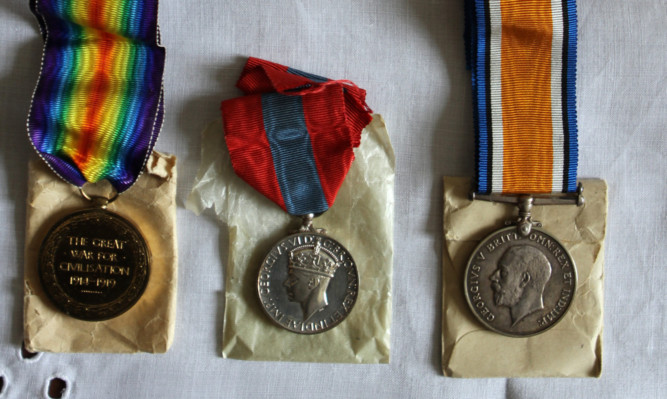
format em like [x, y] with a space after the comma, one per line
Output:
[98, 200]
[525, 222]
[307, 225]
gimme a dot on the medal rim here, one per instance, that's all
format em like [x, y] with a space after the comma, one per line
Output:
[506, 333]
[259, 275]
[43, 268]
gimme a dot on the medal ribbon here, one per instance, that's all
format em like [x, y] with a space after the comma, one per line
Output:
[292, 135]
[522, 54]
[97, 108]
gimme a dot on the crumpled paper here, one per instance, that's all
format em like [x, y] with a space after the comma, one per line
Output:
[573, 347]
[361, 219]
[148, 326]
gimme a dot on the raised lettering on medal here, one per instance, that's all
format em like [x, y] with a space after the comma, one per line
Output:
[308, 283]
[520, 286]
[94, 264]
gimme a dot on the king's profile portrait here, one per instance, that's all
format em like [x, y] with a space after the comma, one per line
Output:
[519, 281]
[310, 269]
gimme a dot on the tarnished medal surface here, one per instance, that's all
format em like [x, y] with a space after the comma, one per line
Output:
[520, 285]
[308, 283]
[94, 264]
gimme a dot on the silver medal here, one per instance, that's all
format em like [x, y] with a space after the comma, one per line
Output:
[308, 282]
[519, 280]
[520, 285]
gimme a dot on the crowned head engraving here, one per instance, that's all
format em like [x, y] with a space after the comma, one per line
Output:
[310, 269]
[519, 281]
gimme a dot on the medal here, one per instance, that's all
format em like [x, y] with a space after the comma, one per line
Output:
[93, 264]
[291, 137]
[520, 280]
[302, 269]
[95, 115]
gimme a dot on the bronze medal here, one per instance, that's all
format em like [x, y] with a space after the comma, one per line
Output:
[94, 264]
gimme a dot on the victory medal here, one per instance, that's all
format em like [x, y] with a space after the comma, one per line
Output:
[94, 264]
[95, 115]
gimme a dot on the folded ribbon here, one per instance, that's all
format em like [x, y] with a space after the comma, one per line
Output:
[97, 108]
[292, 135]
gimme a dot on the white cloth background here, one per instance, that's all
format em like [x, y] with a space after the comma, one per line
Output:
[409, 56]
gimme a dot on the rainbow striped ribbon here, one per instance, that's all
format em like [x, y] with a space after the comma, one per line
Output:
[523, 55]
[97, 108]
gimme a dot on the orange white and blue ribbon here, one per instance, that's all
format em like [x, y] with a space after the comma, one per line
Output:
[292, 135]
[97, 108]
[522, 54]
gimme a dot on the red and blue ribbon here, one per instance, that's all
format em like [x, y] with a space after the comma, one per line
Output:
[292, 135]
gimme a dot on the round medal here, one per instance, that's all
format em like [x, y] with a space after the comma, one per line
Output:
[94, 264]
[520, 285]
[308, 283]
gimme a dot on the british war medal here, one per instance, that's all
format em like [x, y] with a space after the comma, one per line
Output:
[520, 280]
